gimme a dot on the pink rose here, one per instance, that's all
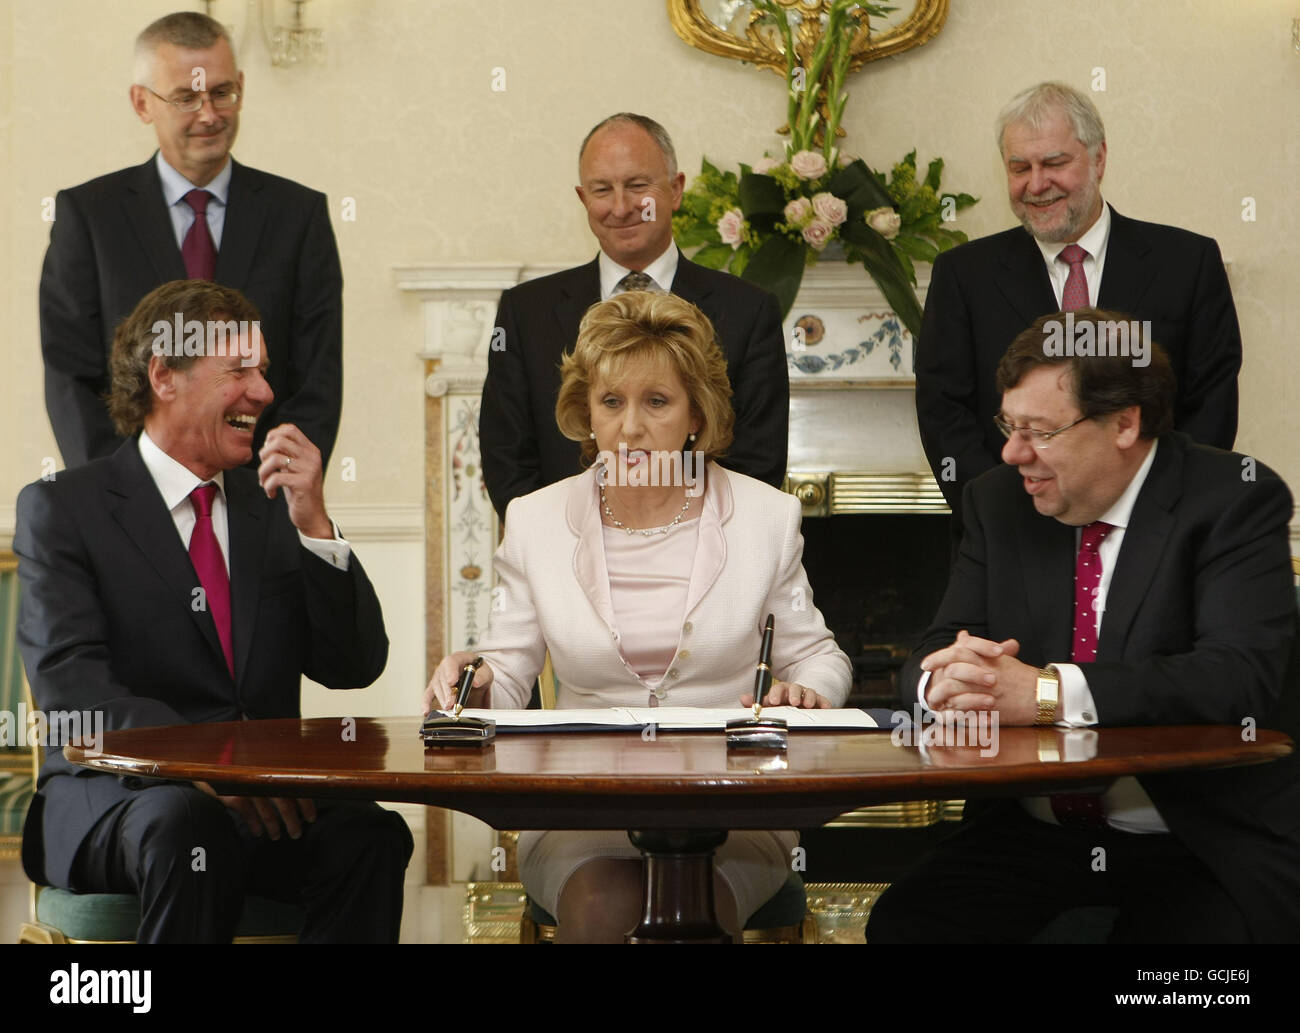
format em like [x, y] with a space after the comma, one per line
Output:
[830, 208]
[731, 227]
[818, 233]
[766, 165]
[798, 212]
[808, 165]
[884, 221]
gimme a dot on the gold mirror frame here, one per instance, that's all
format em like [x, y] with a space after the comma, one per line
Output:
[764, 50]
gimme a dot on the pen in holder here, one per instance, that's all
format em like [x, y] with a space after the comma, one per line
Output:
[441, 730]
[758, 732]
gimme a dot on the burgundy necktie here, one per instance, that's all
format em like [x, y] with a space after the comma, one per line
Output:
[1075, 294]
[1084, 810]
[198, 251]
[205, 554]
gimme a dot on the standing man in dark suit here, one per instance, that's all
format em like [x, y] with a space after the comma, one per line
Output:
[630, 187]
[170, 584]
[1114, 573]
[1074, 250]
[117, 237]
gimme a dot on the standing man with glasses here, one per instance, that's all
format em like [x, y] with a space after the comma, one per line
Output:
[191, 211]
[1073, 250]
[1113, 572]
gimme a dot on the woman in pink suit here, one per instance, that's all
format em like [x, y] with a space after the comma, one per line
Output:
[648, 578]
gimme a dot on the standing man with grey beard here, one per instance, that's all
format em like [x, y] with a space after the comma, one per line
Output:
[1077, 251]
[190, 212]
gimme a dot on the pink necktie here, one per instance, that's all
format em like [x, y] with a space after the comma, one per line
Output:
[1084, 810]
[197, 249]
[1075, 294]
[205, 554]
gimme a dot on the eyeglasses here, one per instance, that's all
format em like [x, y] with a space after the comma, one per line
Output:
[222, 98]
[1038, 438]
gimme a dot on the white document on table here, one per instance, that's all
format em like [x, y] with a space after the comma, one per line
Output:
[677, 719]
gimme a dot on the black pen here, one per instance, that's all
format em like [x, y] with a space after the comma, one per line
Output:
[763, 676]
[465, 684]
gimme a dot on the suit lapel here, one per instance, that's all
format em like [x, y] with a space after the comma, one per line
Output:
[246, 510]
[138, 509]
[578, 292]
[1022, 278]
[246, 215]
[589, 565]
[1047, 566]
[147, 215]
[1128, 271]
[688, 283]
[711, 549]
[1140, 554]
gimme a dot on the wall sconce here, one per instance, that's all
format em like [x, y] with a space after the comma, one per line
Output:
[289, 45]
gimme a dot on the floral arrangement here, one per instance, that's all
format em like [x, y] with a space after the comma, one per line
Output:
[775, 218]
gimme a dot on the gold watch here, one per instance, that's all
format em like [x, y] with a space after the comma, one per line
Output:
[1047, 691]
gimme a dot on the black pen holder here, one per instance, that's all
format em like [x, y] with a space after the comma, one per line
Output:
[457, 731]
[761, 733]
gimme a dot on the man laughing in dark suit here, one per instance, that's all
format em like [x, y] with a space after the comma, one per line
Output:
[1114, 572]
[190, 211]
[630, 187]
[1077, 251]
[168, 584]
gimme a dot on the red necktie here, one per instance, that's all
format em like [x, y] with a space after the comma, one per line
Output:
[1084, 810]
[1075, 294]
[197, 249]
[205, 554]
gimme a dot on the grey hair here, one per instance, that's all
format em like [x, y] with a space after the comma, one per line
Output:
[187, 29]
[1033, 106]
[657, 133]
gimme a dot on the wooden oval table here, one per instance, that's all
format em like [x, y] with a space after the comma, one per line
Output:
[679, 792]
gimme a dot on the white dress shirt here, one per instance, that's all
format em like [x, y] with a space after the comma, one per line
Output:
[176, 482]
[175, 187]
[662, 270]
[1094, 242]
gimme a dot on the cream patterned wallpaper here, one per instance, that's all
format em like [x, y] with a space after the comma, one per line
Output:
[1202, 101]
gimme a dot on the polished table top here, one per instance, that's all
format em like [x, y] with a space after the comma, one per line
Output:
[617, 780]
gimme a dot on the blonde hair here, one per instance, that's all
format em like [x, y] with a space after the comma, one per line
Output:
[647, 326]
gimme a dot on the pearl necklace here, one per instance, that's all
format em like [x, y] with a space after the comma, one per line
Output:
[648, 531]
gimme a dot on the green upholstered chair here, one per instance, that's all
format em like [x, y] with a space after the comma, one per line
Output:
[15, 756]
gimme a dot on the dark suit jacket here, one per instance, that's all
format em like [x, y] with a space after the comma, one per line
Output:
[112, 242]
[1199, 624]
[523, 449]
[106, 623]
[984, 293]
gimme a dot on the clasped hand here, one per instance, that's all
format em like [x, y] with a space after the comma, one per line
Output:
[267, 815]
[979, 674]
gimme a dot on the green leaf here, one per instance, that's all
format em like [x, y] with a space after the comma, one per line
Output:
[858, 187]
[933, 173]
[915, 247]
[883, 265]
[713, 256]
[740, 259]
[963, 200]
[760, 195]
[778, 266]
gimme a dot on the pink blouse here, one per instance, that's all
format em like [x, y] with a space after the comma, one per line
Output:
[648, 580]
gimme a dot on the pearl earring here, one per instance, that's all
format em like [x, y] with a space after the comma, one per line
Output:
[691, 437]
[592, 435]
